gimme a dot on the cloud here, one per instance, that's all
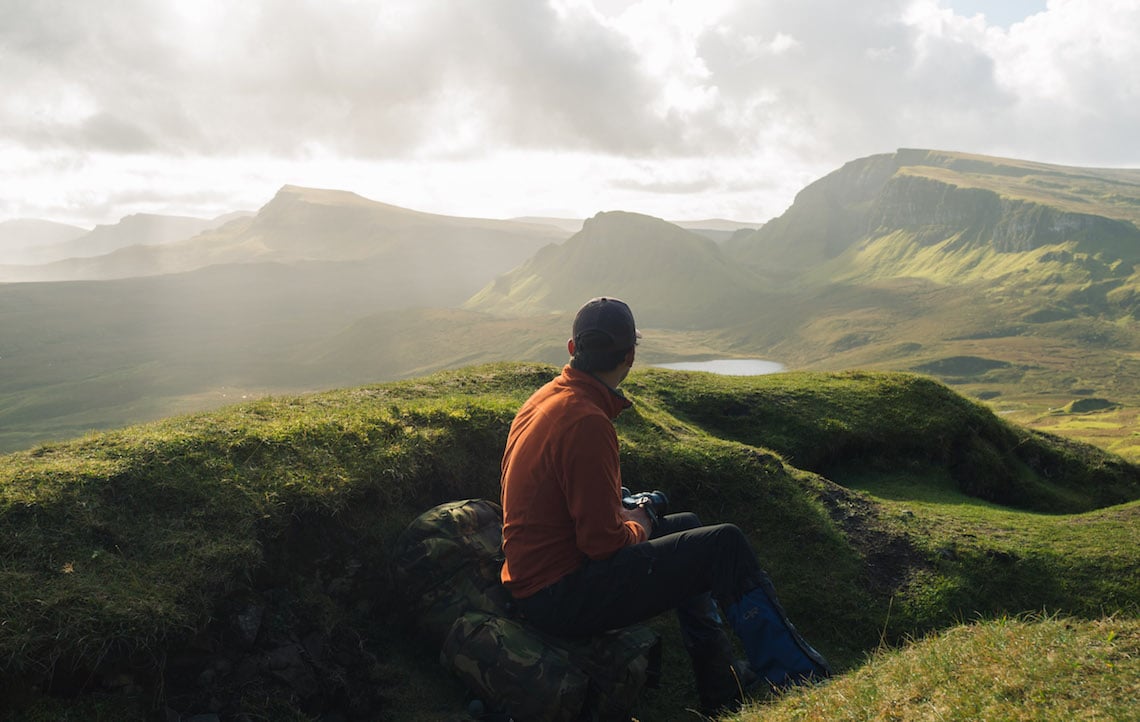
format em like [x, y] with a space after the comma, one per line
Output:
[360, 78]
[828, 81]
[692, 95]
[1074, 69]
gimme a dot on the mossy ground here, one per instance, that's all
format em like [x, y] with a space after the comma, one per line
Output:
[884, 506]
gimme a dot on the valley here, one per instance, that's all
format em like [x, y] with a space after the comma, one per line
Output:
[1012, 281]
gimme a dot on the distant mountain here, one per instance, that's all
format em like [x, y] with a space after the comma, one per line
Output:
[142, 229]
[948, 217]
[717, 229]
[1006, 278]
[989, 271]
[717, 224]
[25, 240]
[570, 225]
[668, 274]
[1051, 242]
[150, 259]
[306, 224]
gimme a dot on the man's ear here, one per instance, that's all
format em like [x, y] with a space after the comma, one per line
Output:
[570, 347]
[630, 356]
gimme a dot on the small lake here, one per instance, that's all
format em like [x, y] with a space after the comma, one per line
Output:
[728, 366]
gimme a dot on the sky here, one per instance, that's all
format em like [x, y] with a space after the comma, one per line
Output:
[682, 109]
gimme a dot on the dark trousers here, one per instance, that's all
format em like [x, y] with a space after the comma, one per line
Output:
[684, 566]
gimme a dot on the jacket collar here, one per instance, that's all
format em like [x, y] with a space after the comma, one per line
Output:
[611, 400]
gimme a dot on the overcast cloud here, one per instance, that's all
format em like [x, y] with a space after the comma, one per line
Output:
[683, 109]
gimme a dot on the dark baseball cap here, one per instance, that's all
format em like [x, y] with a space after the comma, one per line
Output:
[605, 324]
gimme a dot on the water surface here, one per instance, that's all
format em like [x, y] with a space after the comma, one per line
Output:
[728, 366]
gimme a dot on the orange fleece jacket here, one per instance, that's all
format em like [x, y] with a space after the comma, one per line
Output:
[561, 483]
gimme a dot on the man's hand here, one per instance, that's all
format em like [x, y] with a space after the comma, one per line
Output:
[641, 516]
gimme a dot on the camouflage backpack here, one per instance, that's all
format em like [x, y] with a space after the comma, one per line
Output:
[448, 561]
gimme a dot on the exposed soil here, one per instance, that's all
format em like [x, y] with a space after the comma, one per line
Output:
[888, 555]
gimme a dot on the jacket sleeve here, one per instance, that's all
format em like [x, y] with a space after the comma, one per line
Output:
[593, 490]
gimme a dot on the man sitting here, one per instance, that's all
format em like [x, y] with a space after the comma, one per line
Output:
[579, 563]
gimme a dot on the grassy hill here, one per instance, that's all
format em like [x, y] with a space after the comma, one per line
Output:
[237, 561]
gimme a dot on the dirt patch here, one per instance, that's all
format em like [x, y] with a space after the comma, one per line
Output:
[888, 555]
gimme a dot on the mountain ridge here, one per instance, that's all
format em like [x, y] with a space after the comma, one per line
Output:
[22, 239]
[307, 224]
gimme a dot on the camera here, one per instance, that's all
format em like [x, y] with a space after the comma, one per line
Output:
[656, 500]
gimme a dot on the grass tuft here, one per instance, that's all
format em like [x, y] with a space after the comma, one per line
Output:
[1005, 669]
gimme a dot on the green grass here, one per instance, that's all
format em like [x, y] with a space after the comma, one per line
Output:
[125, 554]
[1016, 669]
[990, 559]
[1114, 430]
[833, 423]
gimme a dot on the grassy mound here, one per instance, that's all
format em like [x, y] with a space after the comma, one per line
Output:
[961, 366]
[842, 423]
[236, 562]
[1084, 406]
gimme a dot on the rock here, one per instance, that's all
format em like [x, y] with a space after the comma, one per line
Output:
[288, 665]
[314, 644]
[247, 623]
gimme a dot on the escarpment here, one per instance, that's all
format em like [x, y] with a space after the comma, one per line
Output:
[935, 211]
[934, 197]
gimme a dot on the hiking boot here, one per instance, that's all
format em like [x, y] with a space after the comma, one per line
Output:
[775, 650]
[722, 682]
